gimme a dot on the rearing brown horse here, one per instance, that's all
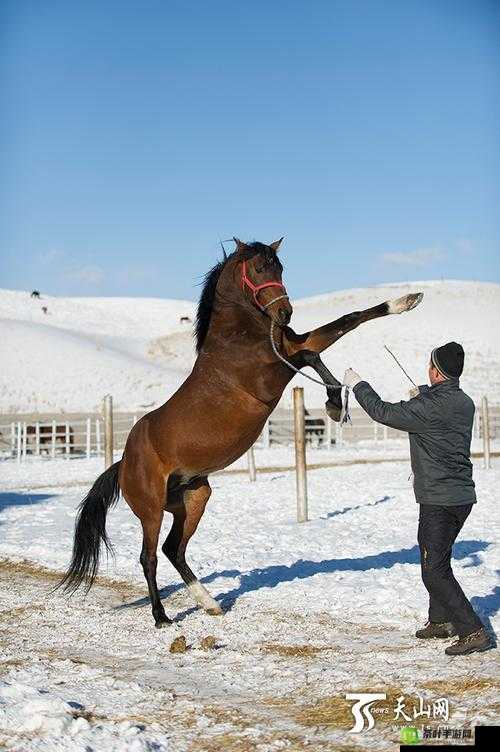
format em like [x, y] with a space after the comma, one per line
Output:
[213, 418]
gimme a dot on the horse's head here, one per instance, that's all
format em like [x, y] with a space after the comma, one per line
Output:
[261, 281]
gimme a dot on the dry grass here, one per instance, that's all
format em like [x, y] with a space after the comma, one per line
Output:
[230, 742]
[5, 666]
[14, 614]
[461, 685]
[26, 568]
[225, 742]
[233, 716]
[336, 712]
[296, 651]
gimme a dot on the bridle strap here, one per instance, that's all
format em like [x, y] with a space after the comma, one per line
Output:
[255, 289]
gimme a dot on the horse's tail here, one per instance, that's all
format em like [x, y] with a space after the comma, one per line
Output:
[90, 530]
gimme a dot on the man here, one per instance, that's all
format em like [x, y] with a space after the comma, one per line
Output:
[439, 423]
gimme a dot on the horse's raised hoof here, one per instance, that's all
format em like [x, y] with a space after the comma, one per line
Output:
[163, 622]
[333, 411]
[406, 303]
[215, 611]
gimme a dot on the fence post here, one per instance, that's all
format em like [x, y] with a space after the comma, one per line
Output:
[25, 440]
[66, 440]
[88, 437]
[267, 435]
[19, 440]
[300, 453]
[252, 473]
[98, 436]
[13, 439]
[485, 418]
[53, 440]
[108, 430]
[37, 438]
[329, 437]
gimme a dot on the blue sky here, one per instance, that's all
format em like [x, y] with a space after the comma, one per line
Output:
[137, 133]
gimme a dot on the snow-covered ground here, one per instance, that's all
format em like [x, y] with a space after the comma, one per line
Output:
[312, 611]
[137, 349]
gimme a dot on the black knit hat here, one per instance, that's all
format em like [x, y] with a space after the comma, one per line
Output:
[449, 359]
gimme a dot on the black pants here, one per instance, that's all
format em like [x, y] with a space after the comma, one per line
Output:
[438, 527]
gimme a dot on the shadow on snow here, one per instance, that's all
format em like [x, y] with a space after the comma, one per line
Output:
[13, 499]
[358, 506]
[274, 575]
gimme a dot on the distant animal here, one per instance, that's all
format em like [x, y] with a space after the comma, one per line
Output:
[213, 418]
[45, 309]
[46, 433]
[185, 320]
[314, 427]
[35, 294]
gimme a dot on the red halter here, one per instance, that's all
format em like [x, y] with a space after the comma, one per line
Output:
[257, 288]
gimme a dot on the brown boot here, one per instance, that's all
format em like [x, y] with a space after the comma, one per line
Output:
[473, 643]
[436, 629]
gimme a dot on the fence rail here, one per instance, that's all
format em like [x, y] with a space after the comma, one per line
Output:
[83, 436]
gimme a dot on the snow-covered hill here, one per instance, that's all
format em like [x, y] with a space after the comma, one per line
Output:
[137, 348]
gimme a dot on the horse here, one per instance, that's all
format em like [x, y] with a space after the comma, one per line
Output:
[213, 418]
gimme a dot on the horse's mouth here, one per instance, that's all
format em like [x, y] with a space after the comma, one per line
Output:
[282, 318]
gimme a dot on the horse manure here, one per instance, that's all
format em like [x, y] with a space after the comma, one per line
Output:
[208, 643]
[178, 645]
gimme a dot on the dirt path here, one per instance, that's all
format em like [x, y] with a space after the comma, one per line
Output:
[103, 655]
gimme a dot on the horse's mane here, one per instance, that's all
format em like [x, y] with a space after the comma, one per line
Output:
[210, 280]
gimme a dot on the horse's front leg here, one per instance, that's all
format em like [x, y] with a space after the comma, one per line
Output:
[319, 339]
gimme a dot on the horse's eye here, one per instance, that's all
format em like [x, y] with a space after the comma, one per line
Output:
[266, 264]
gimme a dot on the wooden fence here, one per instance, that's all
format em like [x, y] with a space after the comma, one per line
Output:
[83, 435]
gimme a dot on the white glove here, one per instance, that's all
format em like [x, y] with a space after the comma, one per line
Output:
[351, 378]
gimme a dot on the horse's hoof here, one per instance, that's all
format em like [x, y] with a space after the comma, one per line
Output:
[333, 411]
[406, 303]
[414, 299]
[215, 611]
[162, 623]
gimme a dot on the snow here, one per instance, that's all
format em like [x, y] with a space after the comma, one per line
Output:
[312, 611]
[137, 348]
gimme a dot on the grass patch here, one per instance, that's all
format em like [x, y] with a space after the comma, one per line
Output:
[336, 712]
[230, 742]
[296, 651]
[462, 685]
[26, 568]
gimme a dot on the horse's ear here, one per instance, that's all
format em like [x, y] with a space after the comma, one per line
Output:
[275, 246]
[240, 245]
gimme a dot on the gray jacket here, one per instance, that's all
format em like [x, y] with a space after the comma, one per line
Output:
[439, 423]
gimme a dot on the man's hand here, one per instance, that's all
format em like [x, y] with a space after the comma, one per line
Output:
[414, 392]
[351, 378]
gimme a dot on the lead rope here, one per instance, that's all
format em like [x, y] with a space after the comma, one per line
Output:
[344, 415]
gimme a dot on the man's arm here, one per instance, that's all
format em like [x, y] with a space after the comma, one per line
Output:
[412, 416]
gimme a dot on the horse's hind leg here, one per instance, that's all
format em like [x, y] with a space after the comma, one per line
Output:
[151, 530]
[187, 505]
